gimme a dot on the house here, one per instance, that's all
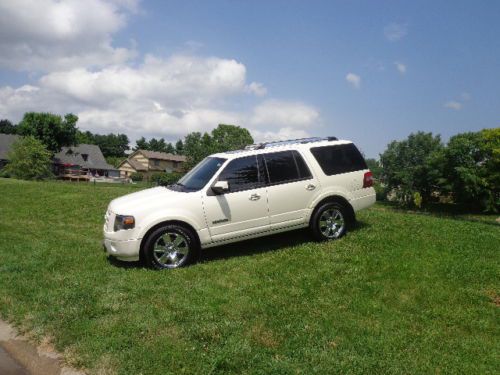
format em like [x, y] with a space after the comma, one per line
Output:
[149, 162]
[6, 141]
[82, 162]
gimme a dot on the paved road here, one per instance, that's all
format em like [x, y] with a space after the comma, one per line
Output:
[8, 366]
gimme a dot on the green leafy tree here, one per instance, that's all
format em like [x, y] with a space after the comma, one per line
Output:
[157, 145]
[230, 137]
[179, 147]
[407, 166]
[170, 148]
[197, 146]
[29, 159]
[111, 145]
[141, 144]
[7, 127]
[52, 130]
[470, 169]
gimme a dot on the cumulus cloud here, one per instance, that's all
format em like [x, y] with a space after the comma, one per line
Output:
[400, 67]
[395, 31]
[281, 134]
[42, 35]
[69, 46]
[353, 79]
[159, 97]
[452, 104]
[283, 114]
[257, 88]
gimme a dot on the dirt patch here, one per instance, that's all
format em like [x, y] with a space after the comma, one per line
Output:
[494, 297]
[38, 360]
[264, 337]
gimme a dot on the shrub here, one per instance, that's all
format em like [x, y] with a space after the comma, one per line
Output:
[137, 177]
[164, 179]
[29, 160]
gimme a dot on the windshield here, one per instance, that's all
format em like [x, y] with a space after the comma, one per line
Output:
[199, 176]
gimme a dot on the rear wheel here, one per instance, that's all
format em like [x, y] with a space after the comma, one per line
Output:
[329, 221]
[170, 246]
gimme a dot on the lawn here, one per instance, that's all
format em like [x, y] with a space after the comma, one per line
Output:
[403, 293]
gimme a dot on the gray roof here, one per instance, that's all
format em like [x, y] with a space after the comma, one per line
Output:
[161, 155]
[73, 155]
[6, 141]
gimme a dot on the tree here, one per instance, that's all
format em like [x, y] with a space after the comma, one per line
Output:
[111, 145]
[407, 166]
[170, 148]
[157, 145]
[53, 131]
[179, 147]
[223, 138]
[141, 144]
[230, 137]
[7, 127]
[470, 169]
[29, 159]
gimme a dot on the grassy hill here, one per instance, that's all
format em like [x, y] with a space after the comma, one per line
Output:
[402, 293]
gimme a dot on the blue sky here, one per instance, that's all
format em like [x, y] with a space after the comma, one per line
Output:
[369, 71]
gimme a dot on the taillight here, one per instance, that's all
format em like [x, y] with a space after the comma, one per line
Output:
[368, 180]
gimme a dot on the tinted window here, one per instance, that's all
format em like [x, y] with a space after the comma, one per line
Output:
[286, 166]
[339, 159]
[304, 171]
[241, 174]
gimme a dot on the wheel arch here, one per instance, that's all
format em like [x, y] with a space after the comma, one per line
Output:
[160, 224]
[335, 199]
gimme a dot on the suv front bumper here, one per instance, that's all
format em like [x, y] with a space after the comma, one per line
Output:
[123, 250]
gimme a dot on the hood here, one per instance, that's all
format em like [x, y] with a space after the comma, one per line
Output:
[134, 203]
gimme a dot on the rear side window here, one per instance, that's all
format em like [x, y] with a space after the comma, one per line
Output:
[339, 159]
[286, 166]
[241, 174]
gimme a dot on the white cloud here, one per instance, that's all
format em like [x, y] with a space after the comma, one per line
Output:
[395, 31]
[353, 79]
[257, 88]
[176, 81]
[400, 67]
[452, 104]
[159, 97]
[281, 134]
[69, 45]
[284, 114]
[42, 35]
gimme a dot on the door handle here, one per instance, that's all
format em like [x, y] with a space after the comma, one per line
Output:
[310, 187]
[254, 197]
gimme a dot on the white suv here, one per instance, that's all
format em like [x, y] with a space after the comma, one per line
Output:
[266, 188]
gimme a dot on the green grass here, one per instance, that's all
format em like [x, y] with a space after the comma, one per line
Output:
[402, 293]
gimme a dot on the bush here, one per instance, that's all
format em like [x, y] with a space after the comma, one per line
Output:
[4, 173]
[164, 179]
[29, 160]
[137, 177]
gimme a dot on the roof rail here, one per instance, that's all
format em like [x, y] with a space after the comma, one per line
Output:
[259, 146]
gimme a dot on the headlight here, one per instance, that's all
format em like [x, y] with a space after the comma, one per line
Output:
[124, 222]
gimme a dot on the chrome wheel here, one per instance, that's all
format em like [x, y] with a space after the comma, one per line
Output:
[170, 250]
[331, 223]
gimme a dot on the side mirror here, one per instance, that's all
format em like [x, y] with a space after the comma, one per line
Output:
[220, 187]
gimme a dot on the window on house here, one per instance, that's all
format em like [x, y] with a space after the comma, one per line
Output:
[156, 163]
[85, 157]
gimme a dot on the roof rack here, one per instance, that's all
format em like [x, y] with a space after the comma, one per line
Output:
[259, 146]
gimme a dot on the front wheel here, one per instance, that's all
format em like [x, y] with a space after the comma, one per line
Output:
[329, 222]
[170, 246]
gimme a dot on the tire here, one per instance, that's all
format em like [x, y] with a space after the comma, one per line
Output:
[171, 246]
[330, 221]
